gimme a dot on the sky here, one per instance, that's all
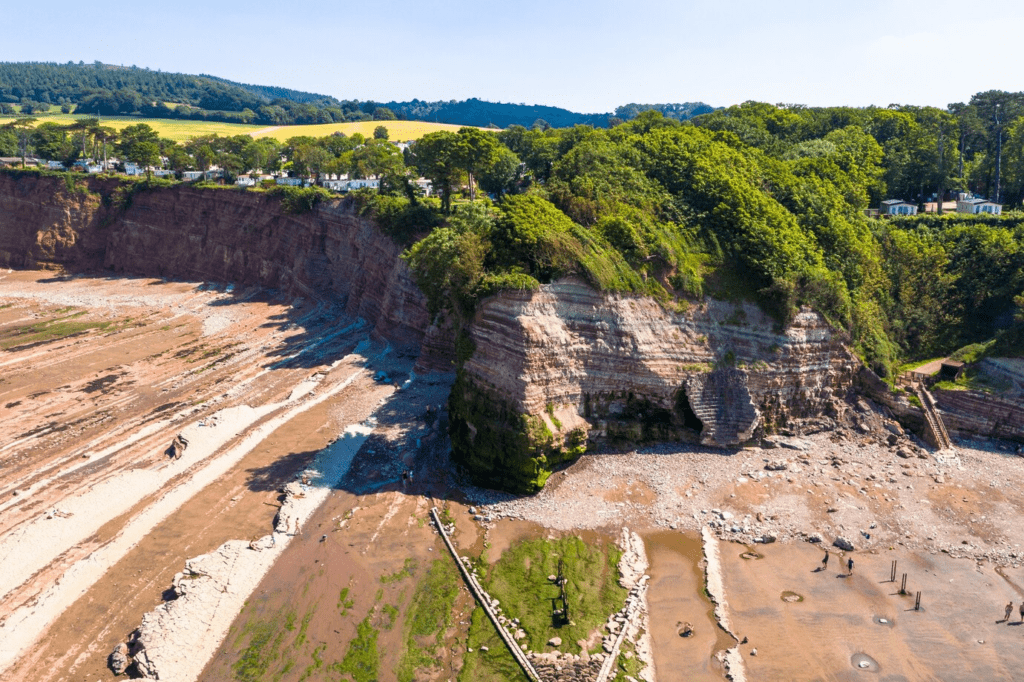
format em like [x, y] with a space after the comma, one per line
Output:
[587, 56]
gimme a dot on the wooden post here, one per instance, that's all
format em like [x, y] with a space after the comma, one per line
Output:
[892, 572]
[917, 602]
[903, 587]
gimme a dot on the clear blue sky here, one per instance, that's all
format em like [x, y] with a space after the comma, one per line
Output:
[585, 56]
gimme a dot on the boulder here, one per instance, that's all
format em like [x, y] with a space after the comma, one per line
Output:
[178, 446]
[555, 641]
[119, 658]
[843, 544]
[814, 537]
[776, 465]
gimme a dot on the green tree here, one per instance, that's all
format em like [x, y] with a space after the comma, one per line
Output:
[50, 141]
[476, 152]
[146, 154]
[503, 174]
[437, 157]
[134, 136]
[380, 133]
[22, 128]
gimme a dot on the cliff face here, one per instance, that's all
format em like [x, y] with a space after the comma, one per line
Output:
[551, 369]
[581, 364]
[182, 232]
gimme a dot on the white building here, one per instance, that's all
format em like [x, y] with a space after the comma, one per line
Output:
[292, 182]
[968, 204]
[336, 185]
[132, 168]
[364, 183]
[897, 207]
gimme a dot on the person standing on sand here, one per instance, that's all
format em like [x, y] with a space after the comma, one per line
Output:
[849, 566]
[824, 561]
[1009, 610]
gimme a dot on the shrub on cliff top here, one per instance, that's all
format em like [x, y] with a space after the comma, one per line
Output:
[400, 218]
[298, 200]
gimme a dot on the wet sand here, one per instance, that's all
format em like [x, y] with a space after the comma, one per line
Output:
[954, 637]
[95, 411]
[676, 594]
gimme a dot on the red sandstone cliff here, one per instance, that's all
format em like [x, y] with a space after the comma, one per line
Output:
[214, 235]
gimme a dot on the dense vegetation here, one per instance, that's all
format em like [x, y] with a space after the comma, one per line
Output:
[755, 202]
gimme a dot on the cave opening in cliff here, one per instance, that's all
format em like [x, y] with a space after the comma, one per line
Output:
[685, 410]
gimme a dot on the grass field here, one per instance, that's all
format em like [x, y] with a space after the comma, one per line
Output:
[180, 131]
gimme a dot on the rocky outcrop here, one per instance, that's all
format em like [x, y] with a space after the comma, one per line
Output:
[974, 413]
[177, 638]
[221, 235]
[576, 361]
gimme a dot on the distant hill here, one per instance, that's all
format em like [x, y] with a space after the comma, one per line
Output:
[680, 112]
[49, 83]
[271, 92]
[476, 112]
[112, 90]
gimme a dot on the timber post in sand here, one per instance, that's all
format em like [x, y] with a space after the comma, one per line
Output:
[480, 595]
[892, 572]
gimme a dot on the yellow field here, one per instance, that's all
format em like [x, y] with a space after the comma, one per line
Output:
[399, 131]
[180, 131]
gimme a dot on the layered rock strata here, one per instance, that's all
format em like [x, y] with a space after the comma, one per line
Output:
[575, 361]
[974, 413]
[220, 235]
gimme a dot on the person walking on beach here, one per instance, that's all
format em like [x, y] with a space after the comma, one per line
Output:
[824, 561]
[1009, 610]
[849, 566]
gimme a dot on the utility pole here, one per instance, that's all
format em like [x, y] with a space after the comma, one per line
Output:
[942, 173]
[999, 150]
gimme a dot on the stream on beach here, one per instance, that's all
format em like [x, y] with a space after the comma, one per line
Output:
[676, 596]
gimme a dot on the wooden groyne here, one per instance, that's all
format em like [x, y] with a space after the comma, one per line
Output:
[484, 601]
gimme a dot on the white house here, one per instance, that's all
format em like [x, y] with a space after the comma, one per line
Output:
[55, 165]
[364, 183]
[336, 185]
[292, 182]
[897, 207]
[245, 181]
[425, 185]
[968, 204]
[163, 172]
[192, 176]
[132, 168]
